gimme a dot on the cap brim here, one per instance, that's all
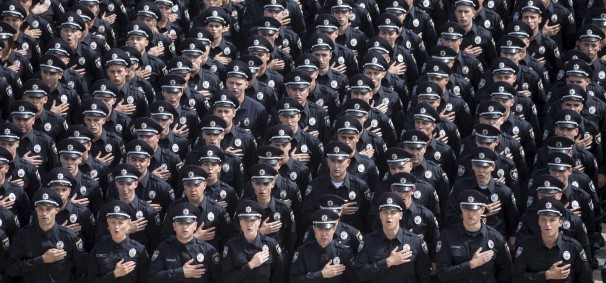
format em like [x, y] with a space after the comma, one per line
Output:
[184, 219]
[249, 216]
[482, 163]
[471, 206]
[401, 187]
[337, 156]
[324, 225]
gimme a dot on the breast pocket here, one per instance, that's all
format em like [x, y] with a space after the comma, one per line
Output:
[459, 255]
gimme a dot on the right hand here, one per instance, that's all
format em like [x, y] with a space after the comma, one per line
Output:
[191, 270]
[349, 208]
[237, 152]
[398, 257]
[143, 73]
[182, 131]
[493, 208]
[222, 59]
[331, 270]
[269, 228]
[556, 272]
[339, 69]
[125, 107]
[397, 69]
[107, 159]
[109, 19]
[383, 107]
[74, 226]
[34, 159]
[480, 258]
[83, 201]
[258, 259]
[53, 255]
[206, 235]
[163, 174]
[473, 51]
[276, 64]
[447, 116]
[551, 30]
[137, 225]
[60, 109]
[124, 268]
[156, 51]
[40, 8]
[302, 157]
[6, 203]
[18, 182]
[35, 33]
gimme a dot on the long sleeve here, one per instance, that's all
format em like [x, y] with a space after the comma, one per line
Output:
[423, 264]
[18, 263]
[158, 273]
[503, 264]
[231, 272]
[366, 270]
[447, 271]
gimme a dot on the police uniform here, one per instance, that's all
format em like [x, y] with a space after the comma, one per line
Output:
[566, 145]
[370, 264]
[149, 237]
[238, 252]
[310, 258]
[504, 221]
[375, 119]
[171, 255]
[95, 43]
[151, 10]
[71, 78]
[259, 90]
[109, 142]
[128, 93]
[533, 258]
[212, 214]
[12, 192]
[203, 80]
[162, 110]
[116, 121]
[61, 94]
[480, 37]
[418, 22]
[353, 189]
[116, 7]
[10, 223]
[26, 70]
[457, 246]
[19, 169]
[25, 259]
[82, 57]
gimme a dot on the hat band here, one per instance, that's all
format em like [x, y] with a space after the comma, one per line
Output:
[549, 211]
[379, 49]
[149, 14]
[70, 152]
[579, 73]
[51, 67]
[549, 189]
[404, 160]
[424, 117]
[48, 201]
[487, 137]
[59, 182]
[389, 206]
[125, 177]
[12, 13]
[138, 152]
[185, 217]
[326, 45]
[249, 215]
[559, 164]
[9, 136]
[88, 111]
[117, 214]
[23, 113]
[452, 34]
[137, 32]
[280, 137]
[518, 34]
[482, 161]
[508, 94]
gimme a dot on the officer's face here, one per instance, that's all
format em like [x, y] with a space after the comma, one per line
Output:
[390, 219]
[213, 139]
[337, 167]
[118, 227]
[13, 21]
[454, 44]
[172, 97]
[276, 14]
[196, 60]
[290, 120]
[532, 19]
[482, 173]
[117, 74]
[566, 132]
[557, 196]
[493, 122]
[185, 231]
[425, 126]
[389, 35]
[366, 96]
[350, 140]
[138, 42]
[375, 75]
[126, 189]
[165, 11]
[236, 85]
[212, 3]
[140, 163]
[441, 81]
[324, 57]
[51, 79]
[472, 217]
[216, 29]
[25, 125]
[490, 145]
[435, 103]
[589, 48]
[94, 124]
[284, 146]
[194, 192]
[562, 175]
[574, 105]
[264, 56]
[46, 214]
[405, 196]
[515, 57]
[71, 36]
[93, 7]
[250, 227]
[583, 82]
[508, 103]
[109, 102]
[406, 168]
[417, 154]
[298, 94]
[263, 189]
[10, 146]
[465, 15]
[226, 113]
[508, 78]
[324, 236]
[165, 123]
[549, 225]
[213, 169]
[342, 16]
[38, 101]
[63, 192]
[70, 163]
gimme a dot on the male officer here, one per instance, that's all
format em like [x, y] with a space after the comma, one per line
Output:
[211, 160]
[184, 257]
[48, 122]
[129, 100]
[187, 118]
[90, 165]
[477, 40]
[62, 100]
[46, 250]
[465, 64]
[562, 258]
[387, 254]
[323, 253]
[21, 172]
[164, 114]
[13, 196]
[106, 91]
[471, 249]
[107, 146]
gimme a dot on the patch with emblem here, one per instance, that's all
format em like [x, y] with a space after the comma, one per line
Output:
[73, 218]
[156, 253]
[139, 214]
[238, 142]
[223, 194]
[132, 252]
[428, 174]
[417, 220]
[108, 148]
[344, 235]
[566, 224]
[361, 168]
[210, 216]
[312, 121]
[417, 194]
[152, 194]
[490, 244]
[225, 167]
[37, 148]
[494, 197]
[566, 255]
[352, 195]
[200, 257]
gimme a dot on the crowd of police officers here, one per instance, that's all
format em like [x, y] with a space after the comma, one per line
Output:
[302, 141]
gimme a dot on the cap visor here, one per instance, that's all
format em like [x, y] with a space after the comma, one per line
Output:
[324, 225]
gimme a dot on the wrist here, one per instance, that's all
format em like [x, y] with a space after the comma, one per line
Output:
[472, 264]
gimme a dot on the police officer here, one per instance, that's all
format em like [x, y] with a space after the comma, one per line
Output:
[184, 257]
[146, 229]
[472, 250]
[35, 146]
[256, 89]
[13, 195]
[465, 64]
[555, 263]
[83, 58]
[164, 114]
[86, 191]
[60, 248]
[428, 94]
[212, 134]
[128, 262]
[250, 256]
[566, 145]
[71, 215]
[95, 43]
[115, 121]
[62, 100]
[389, 27]
[129, 100]
[139, 36]
[107, 146]
[415, 143]
[341, 183]
[308, 148]
[48, 122]
[285, 188]
[211, 160]
[21, 172]
[477, 40]
[187, 119]
[215, 223]
[504, 216]
[323, 253]
[161, 44]
[194, 93]
[90, 165]
[262, 49]
[387, 254]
